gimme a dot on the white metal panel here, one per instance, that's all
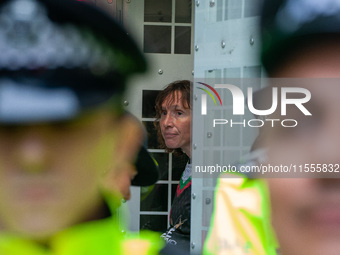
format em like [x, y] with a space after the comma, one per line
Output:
[227, 45]
[163, 69]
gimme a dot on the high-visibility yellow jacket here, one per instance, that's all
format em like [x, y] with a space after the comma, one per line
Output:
[240, 224]
[100, 237]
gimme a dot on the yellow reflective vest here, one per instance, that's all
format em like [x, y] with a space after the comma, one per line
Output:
[94, 238]
[240, 223]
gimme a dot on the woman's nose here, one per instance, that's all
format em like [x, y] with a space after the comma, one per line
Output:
[168, 121]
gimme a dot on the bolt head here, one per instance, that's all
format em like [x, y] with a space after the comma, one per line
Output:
[223, 44]
[251, 41]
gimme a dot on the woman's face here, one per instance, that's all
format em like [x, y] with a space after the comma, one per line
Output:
[175, 123]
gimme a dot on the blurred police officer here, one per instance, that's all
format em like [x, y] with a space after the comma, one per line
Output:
[63, 68]
[301, 39]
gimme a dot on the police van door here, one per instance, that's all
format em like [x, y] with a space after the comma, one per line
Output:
[164, 31]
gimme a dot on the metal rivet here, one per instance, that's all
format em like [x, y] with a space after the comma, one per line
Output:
[126, 103]
[209, 134]
[195, 146]
[160, 71]
[223, 44]
[195, 97]
[197, 3]
[196, 47]
[193, 195]
[192, 245]
[207, 201]
[212, 3]
[128, 1]
[192, 72]
[251, 40]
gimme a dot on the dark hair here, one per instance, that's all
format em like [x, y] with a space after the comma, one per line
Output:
[171, 90]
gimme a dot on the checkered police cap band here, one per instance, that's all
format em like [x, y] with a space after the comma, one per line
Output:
[48, 45]
[33, 35]
[287, 25]
[29, 40]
